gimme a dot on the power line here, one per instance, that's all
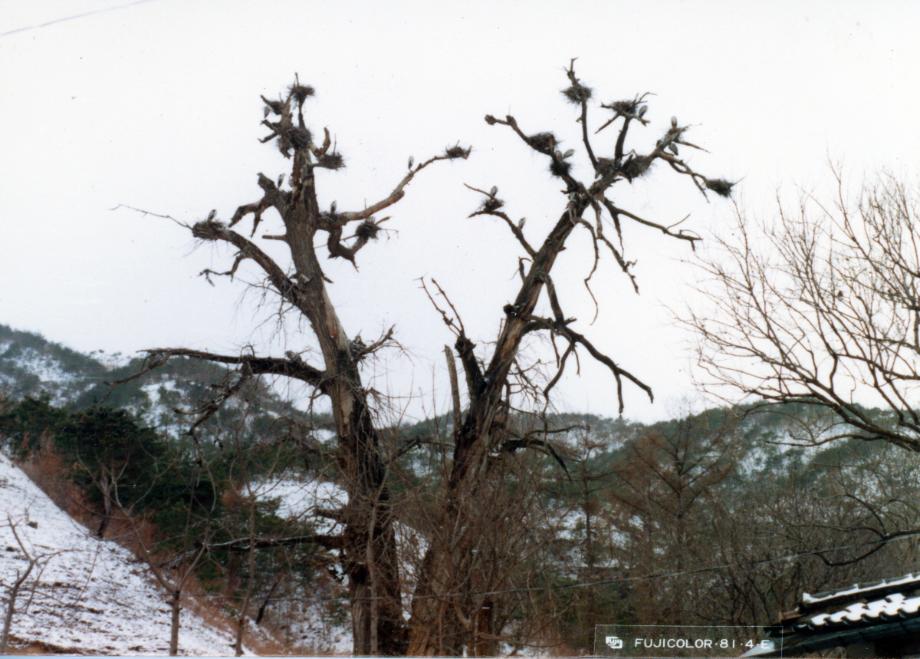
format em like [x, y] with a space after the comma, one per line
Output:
[678, 573]
[632, 579]
[73, 17]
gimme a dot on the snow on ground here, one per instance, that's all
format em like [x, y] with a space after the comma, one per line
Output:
[298, 499]
[324, 436]
[44, 366]
[319, 625]
[88, 595]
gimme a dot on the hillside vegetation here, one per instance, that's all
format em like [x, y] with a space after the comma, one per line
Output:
[719, 517]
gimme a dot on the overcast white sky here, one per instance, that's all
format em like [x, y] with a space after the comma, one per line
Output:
[155, 104]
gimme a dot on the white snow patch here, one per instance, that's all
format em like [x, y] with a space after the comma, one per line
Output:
[46, 368]
[314, 626]
[907, 579]
[299, 499]
[324, 436]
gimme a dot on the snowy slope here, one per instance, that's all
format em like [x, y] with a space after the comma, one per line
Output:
[89, 595]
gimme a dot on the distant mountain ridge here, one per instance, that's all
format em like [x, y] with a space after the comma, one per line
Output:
[33, 366]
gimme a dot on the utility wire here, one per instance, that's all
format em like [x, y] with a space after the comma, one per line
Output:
[633, 579]
[39, 26]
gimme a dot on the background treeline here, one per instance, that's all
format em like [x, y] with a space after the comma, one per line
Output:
[719, 517]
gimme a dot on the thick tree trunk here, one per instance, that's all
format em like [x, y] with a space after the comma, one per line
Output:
[376, 607]
[370, 542]
[435, 627]
[434, 609]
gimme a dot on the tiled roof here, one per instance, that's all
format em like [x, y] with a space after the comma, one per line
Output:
[879, 601]
[894, 606]
[908, 580]
[870, 612]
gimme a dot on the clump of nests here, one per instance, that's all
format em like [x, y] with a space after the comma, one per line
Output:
[635, 167]
[300, 137]
[331, 216]
[559, 167]
[300, 93]
[543, 142]
[209, 229]
[577, 93]
[278, 107]
[627, 107]
[368, 230]
[491, 204]
[634, 108]
[720, 186]
[457, 151]
[332, 160]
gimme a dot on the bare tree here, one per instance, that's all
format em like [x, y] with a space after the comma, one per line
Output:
[174, 569]
[662, 494]
[823, 308]
[301, 286]
[495, 383]
[500, 381]
[33, 560]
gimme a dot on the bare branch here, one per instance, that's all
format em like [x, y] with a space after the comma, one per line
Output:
[452, 153]
[491, 206]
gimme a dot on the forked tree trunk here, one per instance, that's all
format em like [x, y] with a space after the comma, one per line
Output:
[13, 591]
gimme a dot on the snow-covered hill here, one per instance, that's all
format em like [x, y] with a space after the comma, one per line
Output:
[32, 366]
[86, 596]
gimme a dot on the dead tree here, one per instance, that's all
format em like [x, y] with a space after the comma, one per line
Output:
[822, 308]
[496, 382]
[301, 285]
